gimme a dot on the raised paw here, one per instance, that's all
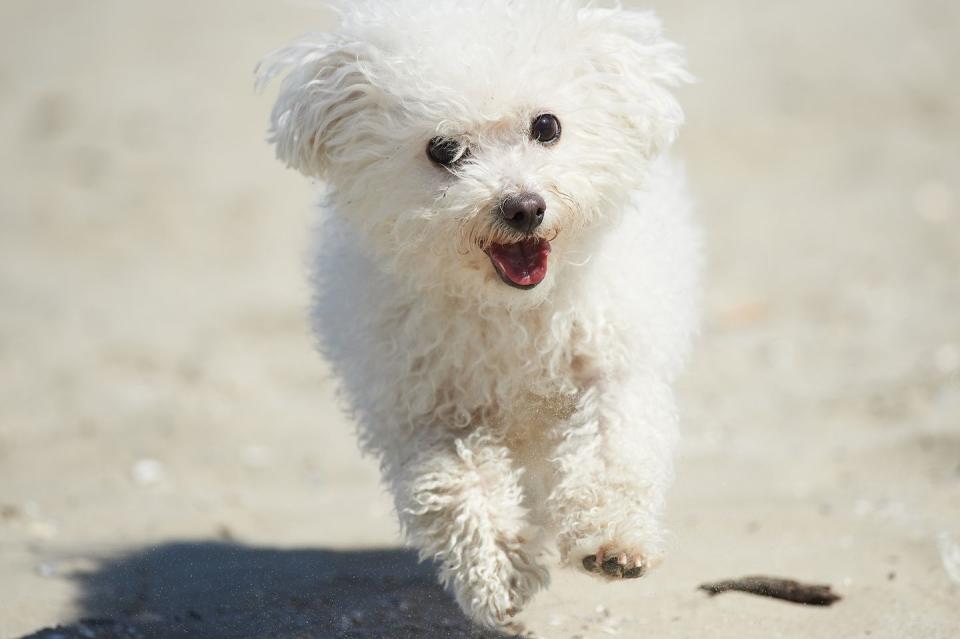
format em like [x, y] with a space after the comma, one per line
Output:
[615, 565]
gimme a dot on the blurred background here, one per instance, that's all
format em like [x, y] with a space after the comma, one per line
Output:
[172, 459]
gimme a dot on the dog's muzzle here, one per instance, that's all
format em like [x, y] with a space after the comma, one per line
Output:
[521, 264]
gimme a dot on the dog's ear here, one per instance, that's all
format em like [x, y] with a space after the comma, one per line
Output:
[328, 82]
[635, 67]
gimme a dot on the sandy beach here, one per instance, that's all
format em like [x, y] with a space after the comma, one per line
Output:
[173, 460]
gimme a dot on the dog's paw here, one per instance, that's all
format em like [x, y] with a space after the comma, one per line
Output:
[493, 587]
[616, 564]
[511, 628]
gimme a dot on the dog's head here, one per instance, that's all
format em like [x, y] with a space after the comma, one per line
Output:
[478, 146]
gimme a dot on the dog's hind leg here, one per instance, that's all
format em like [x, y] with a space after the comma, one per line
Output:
[459, 501]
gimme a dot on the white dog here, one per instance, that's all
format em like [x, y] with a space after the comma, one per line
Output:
[506, 275]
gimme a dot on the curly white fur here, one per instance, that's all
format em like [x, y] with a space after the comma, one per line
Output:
[503, 418]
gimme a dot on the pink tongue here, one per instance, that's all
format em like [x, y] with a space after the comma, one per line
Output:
[523, 263]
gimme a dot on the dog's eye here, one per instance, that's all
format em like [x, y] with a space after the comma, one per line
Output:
[545, 128]
[446, 152]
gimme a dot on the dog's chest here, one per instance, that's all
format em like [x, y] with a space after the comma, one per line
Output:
[531, 418]
[511, 364]
[463, 365]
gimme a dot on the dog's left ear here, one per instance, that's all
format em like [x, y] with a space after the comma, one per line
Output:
[329, 83]
[636, 67]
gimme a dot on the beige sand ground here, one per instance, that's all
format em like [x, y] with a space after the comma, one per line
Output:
[171, 456]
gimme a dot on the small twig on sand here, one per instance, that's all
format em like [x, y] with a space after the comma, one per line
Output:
[786, 589]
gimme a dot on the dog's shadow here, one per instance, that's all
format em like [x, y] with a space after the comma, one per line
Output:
[210, 590]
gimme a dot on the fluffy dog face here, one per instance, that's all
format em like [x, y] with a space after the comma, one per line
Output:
[478, 146]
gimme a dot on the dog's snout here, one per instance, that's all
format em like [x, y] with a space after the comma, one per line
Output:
[523, 211]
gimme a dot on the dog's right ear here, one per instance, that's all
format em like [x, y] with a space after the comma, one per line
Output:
[635, 67]
[328, 83]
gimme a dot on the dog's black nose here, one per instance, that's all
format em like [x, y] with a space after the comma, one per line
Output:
[523, 211]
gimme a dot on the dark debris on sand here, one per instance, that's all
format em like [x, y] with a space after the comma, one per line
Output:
[776, 588]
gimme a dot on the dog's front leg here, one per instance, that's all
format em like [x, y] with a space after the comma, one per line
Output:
[614, 462]
[459, 501]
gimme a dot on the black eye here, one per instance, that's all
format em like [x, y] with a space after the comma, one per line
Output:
[545, 128]
[446, 152]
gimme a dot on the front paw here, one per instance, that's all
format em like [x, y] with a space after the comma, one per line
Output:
[614, 563]
[626, 551]
[493, 586]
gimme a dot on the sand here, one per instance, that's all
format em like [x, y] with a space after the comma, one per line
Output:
[173, 462]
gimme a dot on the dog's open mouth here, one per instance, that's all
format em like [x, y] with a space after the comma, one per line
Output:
[522, 264]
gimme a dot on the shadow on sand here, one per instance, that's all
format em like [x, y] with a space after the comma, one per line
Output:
[214, 590]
